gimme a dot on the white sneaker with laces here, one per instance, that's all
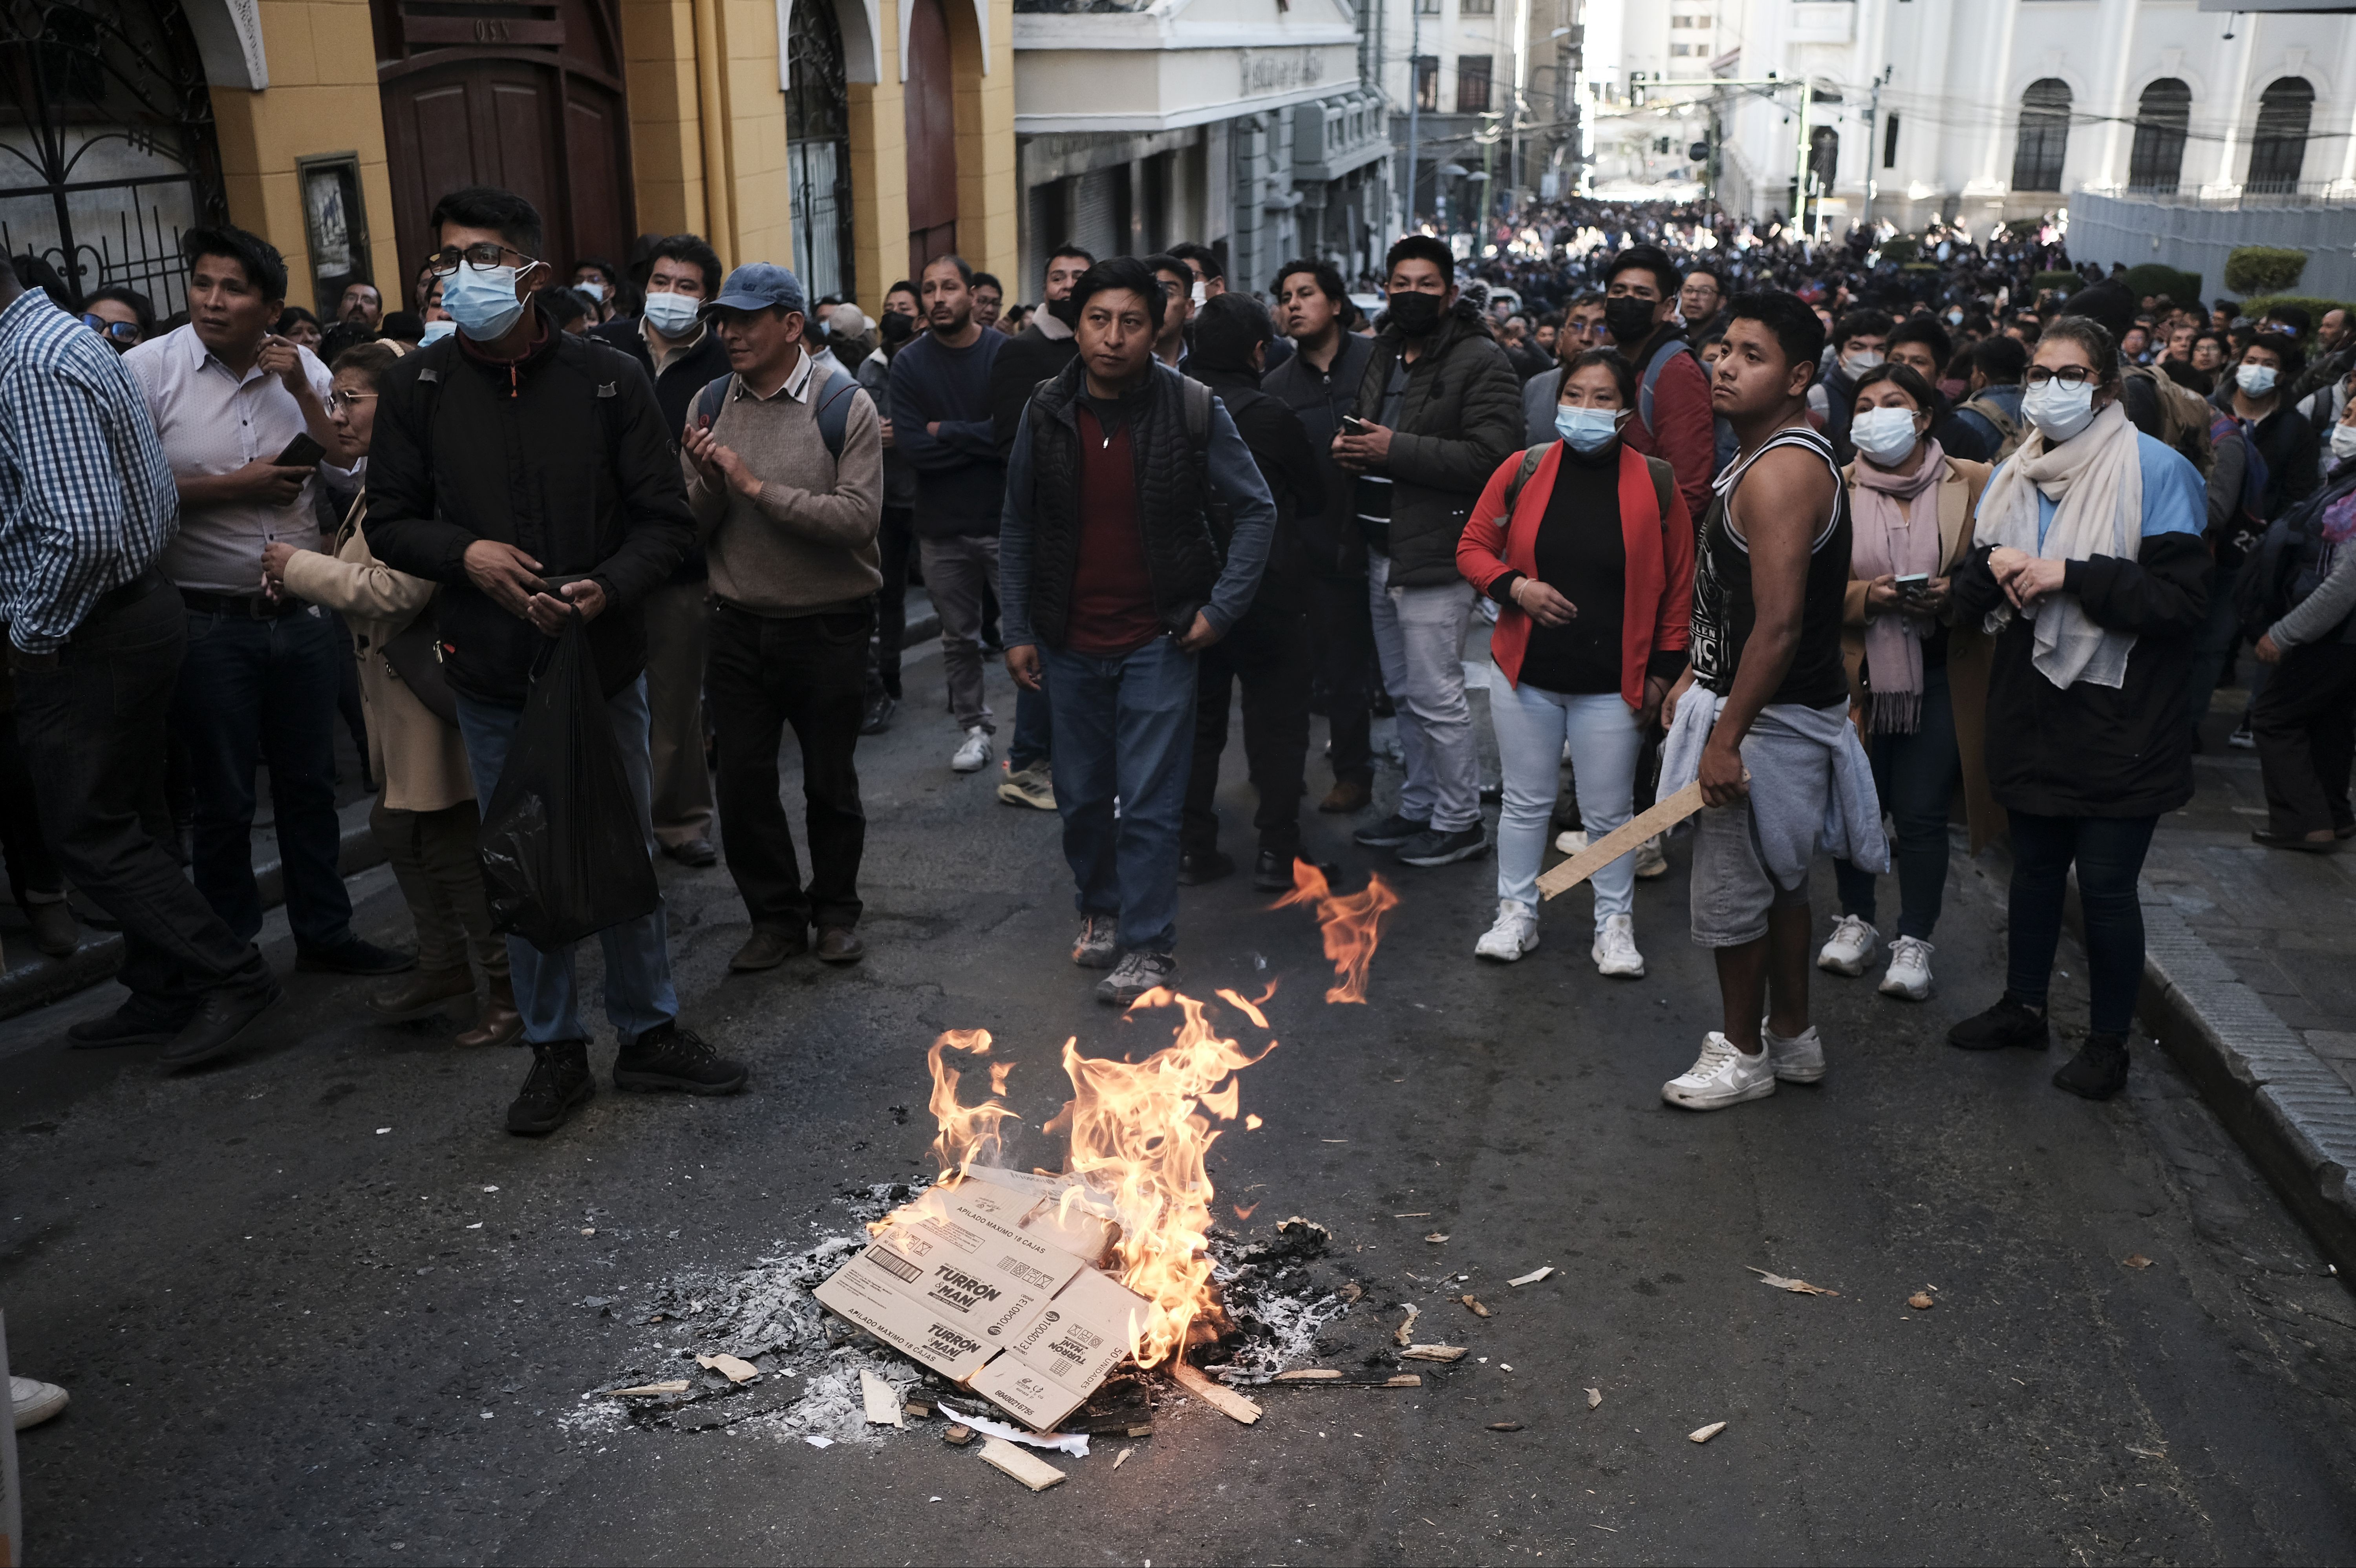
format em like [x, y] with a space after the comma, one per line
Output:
[1910, 970]
[1852, 942]
[1570, 840]
[1653, 859]
[1800, 1059]
[1515, 933]
[1615, 948]
[974, 755]
[1721, 1076]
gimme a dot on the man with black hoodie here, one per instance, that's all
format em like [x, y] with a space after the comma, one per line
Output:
[1268, 650]
[507, 454]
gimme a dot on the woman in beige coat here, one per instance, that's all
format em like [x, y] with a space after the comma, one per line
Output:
[1918, 679]
[426, 817]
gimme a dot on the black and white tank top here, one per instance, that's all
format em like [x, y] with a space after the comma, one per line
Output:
[1724, 610]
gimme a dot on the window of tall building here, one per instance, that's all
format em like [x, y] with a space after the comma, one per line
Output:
[2157, 160]
[1427, 84]
[1473, 83]
[2278, 147]
[1890, 143]
[2044, 141]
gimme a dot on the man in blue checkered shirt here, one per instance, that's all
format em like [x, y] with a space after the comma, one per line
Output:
[95, 640]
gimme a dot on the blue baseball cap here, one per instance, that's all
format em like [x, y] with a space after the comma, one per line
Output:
[758, 285]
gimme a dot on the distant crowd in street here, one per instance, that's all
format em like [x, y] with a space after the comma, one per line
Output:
[1837, 544]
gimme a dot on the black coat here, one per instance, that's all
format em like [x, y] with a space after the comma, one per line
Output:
[1287, 461]
[675, 391]
[2091, 750]
[566, 456]
[1015, 374]
[1320, 399]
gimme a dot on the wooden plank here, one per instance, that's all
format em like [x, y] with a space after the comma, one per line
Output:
[1224, 1400]
[1023, 1466]
[1659, 818]
[881, 1400]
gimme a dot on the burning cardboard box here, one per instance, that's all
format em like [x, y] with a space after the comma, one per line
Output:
[992, 1282]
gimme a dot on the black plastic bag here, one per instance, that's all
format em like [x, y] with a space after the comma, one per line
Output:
[564, 854]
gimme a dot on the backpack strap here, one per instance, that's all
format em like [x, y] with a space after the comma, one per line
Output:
[713, 399]
[1530, 460]
[833, 402]
[1653, 369]
[1196, 399]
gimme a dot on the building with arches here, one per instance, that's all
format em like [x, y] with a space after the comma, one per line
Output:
[854, 138]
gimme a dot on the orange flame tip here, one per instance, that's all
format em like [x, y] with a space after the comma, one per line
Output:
[1246, 1210]
[1352, 924]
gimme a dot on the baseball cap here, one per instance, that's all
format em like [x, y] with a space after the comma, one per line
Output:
[758, 285]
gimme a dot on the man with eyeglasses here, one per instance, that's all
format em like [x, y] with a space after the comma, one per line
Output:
[532, 474]
[234, 404]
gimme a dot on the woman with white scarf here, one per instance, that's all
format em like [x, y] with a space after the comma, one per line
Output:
[2092, 575]
[1917, 677]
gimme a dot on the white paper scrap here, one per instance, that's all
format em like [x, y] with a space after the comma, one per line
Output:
[1075, 1443]
[1533, 1276]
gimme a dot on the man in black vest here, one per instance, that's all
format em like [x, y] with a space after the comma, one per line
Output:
[1111, 581]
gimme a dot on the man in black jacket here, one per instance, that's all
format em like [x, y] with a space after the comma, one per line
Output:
[506, 455]
[1318, 384]
[683, 355]
[1267, 651]
[1438, 410]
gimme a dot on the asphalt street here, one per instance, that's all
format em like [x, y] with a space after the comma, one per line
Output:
[314, 1304]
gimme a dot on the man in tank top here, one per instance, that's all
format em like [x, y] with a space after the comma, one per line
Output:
[1761, 716]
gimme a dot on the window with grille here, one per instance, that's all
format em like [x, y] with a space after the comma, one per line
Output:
[1476, 8]
[1427, 84]
[2044, 135]
[2278, 147]
[2162, 117]
[1473, 83]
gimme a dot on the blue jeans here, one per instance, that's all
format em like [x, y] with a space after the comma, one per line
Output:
[1034, 729]
[265, 692]
[639, 994]
[1531, 726]
[2109, 852]
[1915, 776]
[1125, 730]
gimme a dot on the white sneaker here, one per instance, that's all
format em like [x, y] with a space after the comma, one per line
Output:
[1571, 840]
[1615, 948]
[1721, 1076]
[974, 755]
[1853, 940]
[1653, 858]
[1516, 933]
[1800, 1059]
[1910, 970]
[35, 1400]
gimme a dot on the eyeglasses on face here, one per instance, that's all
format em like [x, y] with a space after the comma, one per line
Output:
[483, 257]
[341, 399]
[121, 331]
[2068, 374]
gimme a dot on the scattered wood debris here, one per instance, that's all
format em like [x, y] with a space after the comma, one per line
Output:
[2135, 1260]
[919, 1408]
[1704, 1433]
[1225, 1400]
[734, 1368]
[1532, 1278]
[1474, 1306]
[1405, 1333]
[881, 1400]
[1594, 1397]
[1419, 1214]
[1122, 1457]
[1921, 1301]
[1504, 1426]
[1309, 1375]
[1437, 1237]
[1350, 1290]
[1432, 1353]
[1031, 1471]
[1797, 1287]
[957, 1435]
[668, 1385]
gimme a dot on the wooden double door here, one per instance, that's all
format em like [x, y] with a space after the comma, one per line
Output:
[931, 115]
[526, 97]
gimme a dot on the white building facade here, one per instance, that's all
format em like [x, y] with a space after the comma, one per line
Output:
[1491, 84]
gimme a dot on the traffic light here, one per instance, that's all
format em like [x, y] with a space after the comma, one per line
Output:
[1698, 153]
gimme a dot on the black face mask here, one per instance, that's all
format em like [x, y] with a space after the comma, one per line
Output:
[1414, 312]
[1065, 310]
[1628, 319]
[895, 328]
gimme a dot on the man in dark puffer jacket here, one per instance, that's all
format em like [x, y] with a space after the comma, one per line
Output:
[1112, 580]
[1440, 409]
[509, 453]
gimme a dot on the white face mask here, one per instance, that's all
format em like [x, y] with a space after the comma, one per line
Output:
[435, 331]
[2059, 410]
[673, 315]
[2255, 380]
[1588, 430]
[1858, 363]
[2343, 441]
[1200, 294]
[1885, 436]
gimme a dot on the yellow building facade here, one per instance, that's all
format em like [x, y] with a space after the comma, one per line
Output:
[780, 130]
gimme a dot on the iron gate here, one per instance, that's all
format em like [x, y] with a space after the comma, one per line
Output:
[107, 151]
[818, 151]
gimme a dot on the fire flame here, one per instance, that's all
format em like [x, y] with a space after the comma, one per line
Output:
[1353, 924]
[969, 1135]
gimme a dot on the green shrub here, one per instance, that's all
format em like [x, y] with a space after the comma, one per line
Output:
[2264, 269]
[2152, 278]
[2067, 283]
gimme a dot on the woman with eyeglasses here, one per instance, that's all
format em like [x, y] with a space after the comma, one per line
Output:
[2092, 570]
[123, 316]
[425, 817]
[1916, 673]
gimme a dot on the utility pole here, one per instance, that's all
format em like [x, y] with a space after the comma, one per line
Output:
[1799, 168]
[1414, 103]
[1520, 107]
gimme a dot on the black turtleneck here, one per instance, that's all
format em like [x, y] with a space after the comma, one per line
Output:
[1579, 554]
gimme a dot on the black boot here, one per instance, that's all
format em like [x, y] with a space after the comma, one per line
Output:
[2099, 1069]
[2006, 1023]
[669, 1057]
[558, 1081]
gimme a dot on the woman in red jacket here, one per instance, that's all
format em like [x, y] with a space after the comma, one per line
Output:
[1587, 547]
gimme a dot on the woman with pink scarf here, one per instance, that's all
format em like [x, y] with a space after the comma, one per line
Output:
[1918, 681]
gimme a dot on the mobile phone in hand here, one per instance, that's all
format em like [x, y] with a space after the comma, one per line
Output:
[1355, 425]
[1914, 585]
[301, 452]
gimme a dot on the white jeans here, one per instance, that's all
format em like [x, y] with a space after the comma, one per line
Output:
[1531, 725]
[1420, 638]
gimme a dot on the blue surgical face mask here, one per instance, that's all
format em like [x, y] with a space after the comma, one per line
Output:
[435, 331]
[673, 315]
[482, 301]
[1588, 430]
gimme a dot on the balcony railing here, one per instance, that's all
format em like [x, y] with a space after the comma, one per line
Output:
[2232, 198]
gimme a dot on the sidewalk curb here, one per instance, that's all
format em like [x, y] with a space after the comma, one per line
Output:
[2293, 1115]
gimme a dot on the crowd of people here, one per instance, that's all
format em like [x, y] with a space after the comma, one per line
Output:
[1824, 537]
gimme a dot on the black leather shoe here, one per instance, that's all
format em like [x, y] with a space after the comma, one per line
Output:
[840, 944]
[878, 716]
[2099, 1069]
[122, 1027]
[669, 1057]
[354, 957]
[697, 852]
[558, 1083]
[768, 946]
[54, 930]
[220, 1019]
[2006, 1023]
[1273, 872]
[1196, 867]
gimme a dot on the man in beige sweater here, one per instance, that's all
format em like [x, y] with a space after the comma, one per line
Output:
[785, 471]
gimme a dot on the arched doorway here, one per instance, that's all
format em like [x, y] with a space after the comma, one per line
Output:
[529, 97]
[107, 151]
[2044, 143]
[931, 114]
[2163, 118]
[818, 150]
[2278, 149]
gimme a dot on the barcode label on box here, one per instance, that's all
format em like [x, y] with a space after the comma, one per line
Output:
[885, 1258]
